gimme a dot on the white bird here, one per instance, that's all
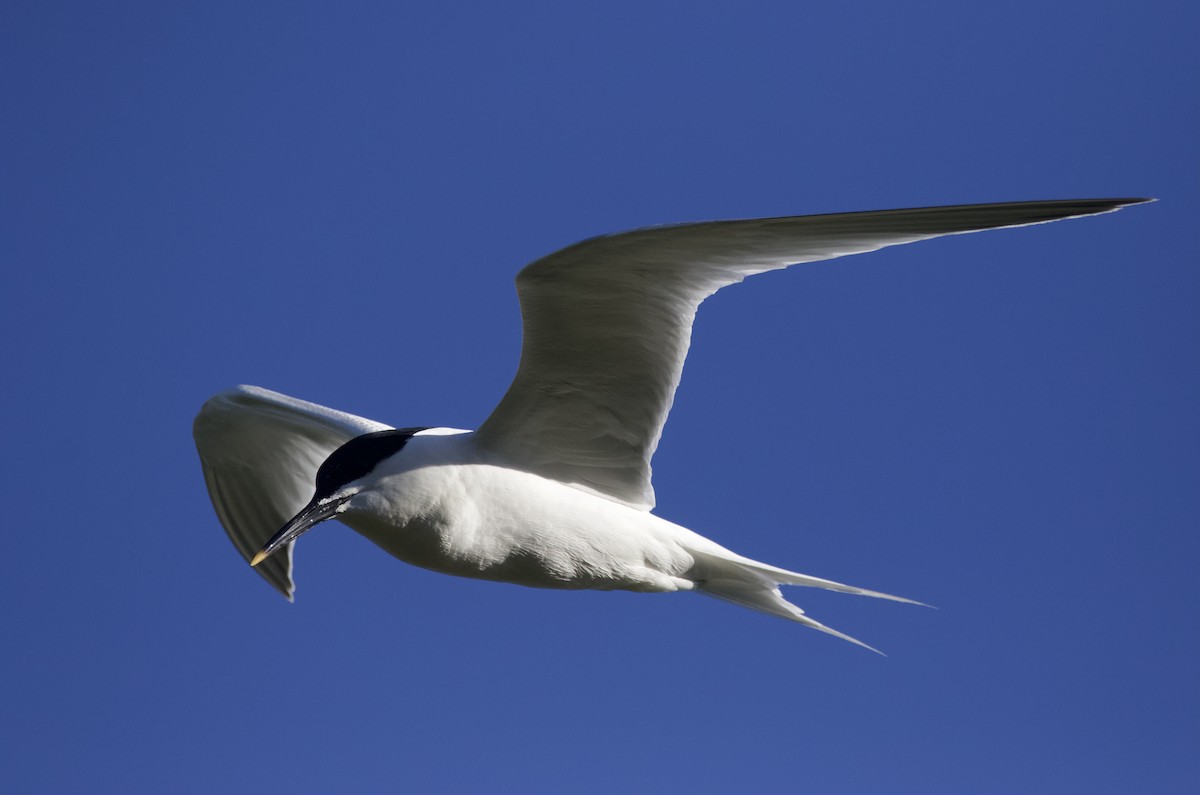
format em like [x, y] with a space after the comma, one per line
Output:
[553, 490]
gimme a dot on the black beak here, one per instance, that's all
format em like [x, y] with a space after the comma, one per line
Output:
[309, 517]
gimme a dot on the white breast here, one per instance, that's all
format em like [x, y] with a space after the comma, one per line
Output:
[439, 505]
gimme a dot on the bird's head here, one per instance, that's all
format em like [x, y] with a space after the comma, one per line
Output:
[338, 480]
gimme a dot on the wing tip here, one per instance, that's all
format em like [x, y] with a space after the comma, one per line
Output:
[1112, 205]
[280, 582]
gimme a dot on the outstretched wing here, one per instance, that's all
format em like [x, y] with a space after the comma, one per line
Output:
[607, 324]
[260, 451]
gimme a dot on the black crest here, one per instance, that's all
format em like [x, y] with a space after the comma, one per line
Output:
[358, 457]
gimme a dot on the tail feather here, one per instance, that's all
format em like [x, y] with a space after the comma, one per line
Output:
[770, 600]
[785, 577]
[733, 578]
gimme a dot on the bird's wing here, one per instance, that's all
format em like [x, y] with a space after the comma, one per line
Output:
[607, 324]
[260, 451]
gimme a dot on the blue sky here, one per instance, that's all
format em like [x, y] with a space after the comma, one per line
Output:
[332, 200]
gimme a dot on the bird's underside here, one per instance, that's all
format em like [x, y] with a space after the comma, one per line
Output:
[607, 323]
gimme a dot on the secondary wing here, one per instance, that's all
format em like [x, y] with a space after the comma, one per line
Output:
[260, 452]
[607, 323]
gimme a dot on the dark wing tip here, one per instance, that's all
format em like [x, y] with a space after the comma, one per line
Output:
[1106, 205]
[1075, 208]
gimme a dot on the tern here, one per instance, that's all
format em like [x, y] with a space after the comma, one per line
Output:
[553, 490]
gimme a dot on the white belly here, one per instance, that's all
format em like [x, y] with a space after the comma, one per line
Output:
[488, 522]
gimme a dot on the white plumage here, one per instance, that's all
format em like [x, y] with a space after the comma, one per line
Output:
[554, 489]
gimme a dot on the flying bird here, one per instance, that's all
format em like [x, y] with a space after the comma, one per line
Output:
[553, 490]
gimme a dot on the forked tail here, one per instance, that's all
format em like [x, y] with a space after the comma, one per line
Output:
[756, 585]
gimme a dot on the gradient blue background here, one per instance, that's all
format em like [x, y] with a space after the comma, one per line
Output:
[331, 200]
